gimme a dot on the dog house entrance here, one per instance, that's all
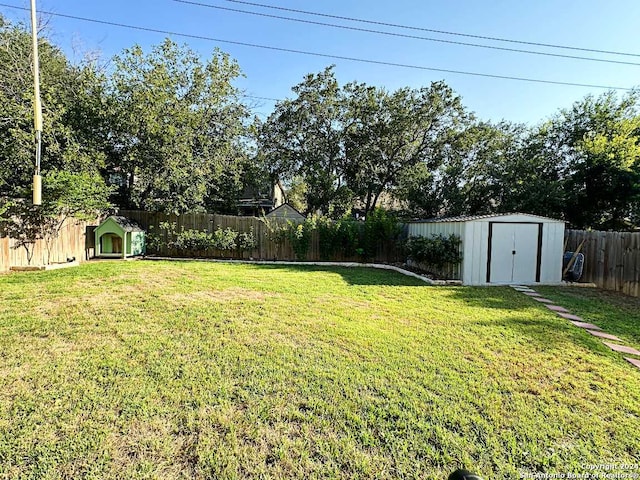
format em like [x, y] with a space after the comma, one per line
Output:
[110, 243]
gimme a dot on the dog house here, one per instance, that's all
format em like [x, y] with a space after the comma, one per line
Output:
[512, 248]
[119, 237]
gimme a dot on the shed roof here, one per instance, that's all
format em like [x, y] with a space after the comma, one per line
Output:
[469, 218]
[125, 223]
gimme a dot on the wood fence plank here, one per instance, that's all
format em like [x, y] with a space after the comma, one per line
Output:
[612, 259]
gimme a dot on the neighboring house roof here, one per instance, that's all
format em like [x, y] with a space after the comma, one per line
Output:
[253, 196]
[126, 224]
[286, 211]
[469, 218]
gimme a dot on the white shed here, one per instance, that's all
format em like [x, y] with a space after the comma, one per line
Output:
[509, 248]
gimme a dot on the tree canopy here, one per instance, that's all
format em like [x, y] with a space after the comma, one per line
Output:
[172, 133]
[177, 126]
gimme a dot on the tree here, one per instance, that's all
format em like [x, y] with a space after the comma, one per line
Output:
[596, 144]
[66, 195]
[474, 176]
[603, 172]
[62, 85]
[303, 138]
[177, 127]
[22, 222]
[532, 177]
[388, 134]
[353, 143]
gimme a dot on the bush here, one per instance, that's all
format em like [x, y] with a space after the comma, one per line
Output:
[348, 237]
[338, 237]
[155, 239]
[224, 240]
[192, 241]
[436, 251]
[299, 236]
[380, 228]
[247, 241]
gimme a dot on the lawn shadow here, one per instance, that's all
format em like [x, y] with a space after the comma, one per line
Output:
[546, 333]
[353, 275]
[503, 298]
[531, 320]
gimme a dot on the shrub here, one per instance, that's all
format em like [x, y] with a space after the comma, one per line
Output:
[224, 240]
[299, 236]
[156, 239]
[351, 237]
[276, 232]
[380, 228]
[192, 241]
[246, 242]
[436, 251]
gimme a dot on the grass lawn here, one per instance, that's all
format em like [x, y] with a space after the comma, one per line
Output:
[616, 313]
[131, 370]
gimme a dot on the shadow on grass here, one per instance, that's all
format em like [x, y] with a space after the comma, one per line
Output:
[503, 298]
[531, 321]
[547, 333]
[352, 275]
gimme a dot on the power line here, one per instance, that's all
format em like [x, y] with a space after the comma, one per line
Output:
[403, 35]
[443, 32]
[263, 98]
[322, 55]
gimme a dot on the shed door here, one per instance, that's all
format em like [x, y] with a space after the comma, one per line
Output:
[514, 253]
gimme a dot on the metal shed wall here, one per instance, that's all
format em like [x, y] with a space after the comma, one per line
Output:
[474, 233]
[552, 250]
[474, 251]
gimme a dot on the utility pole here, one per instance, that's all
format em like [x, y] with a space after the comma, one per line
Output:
[37, 107]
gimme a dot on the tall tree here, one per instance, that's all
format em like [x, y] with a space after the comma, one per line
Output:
[304, 138]
[597, 145]
[61, 86]
[387, 134]
[178, 127]
[593, 149]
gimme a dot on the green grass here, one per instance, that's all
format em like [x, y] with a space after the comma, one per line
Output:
[616, 313]
[197, 370]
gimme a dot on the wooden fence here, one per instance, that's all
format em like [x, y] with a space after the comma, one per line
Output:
[611, 259]
[70, 243]
[266, 250]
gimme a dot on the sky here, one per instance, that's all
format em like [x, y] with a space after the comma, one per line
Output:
[591, 24]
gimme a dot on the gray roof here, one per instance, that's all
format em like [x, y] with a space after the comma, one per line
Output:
[126, 224]
[468, 218]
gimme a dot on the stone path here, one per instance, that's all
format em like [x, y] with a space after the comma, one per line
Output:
[589, 327]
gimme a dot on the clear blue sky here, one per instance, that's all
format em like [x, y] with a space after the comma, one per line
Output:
[596, 24]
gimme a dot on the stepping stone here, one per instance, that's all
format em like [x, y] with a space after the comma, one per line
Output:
[633, 361]
[588, 326]
[622, 348]
[556, 308]
[523, 289]
[571, 316]
[532, 294]
[608, 336]
[543, 300]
